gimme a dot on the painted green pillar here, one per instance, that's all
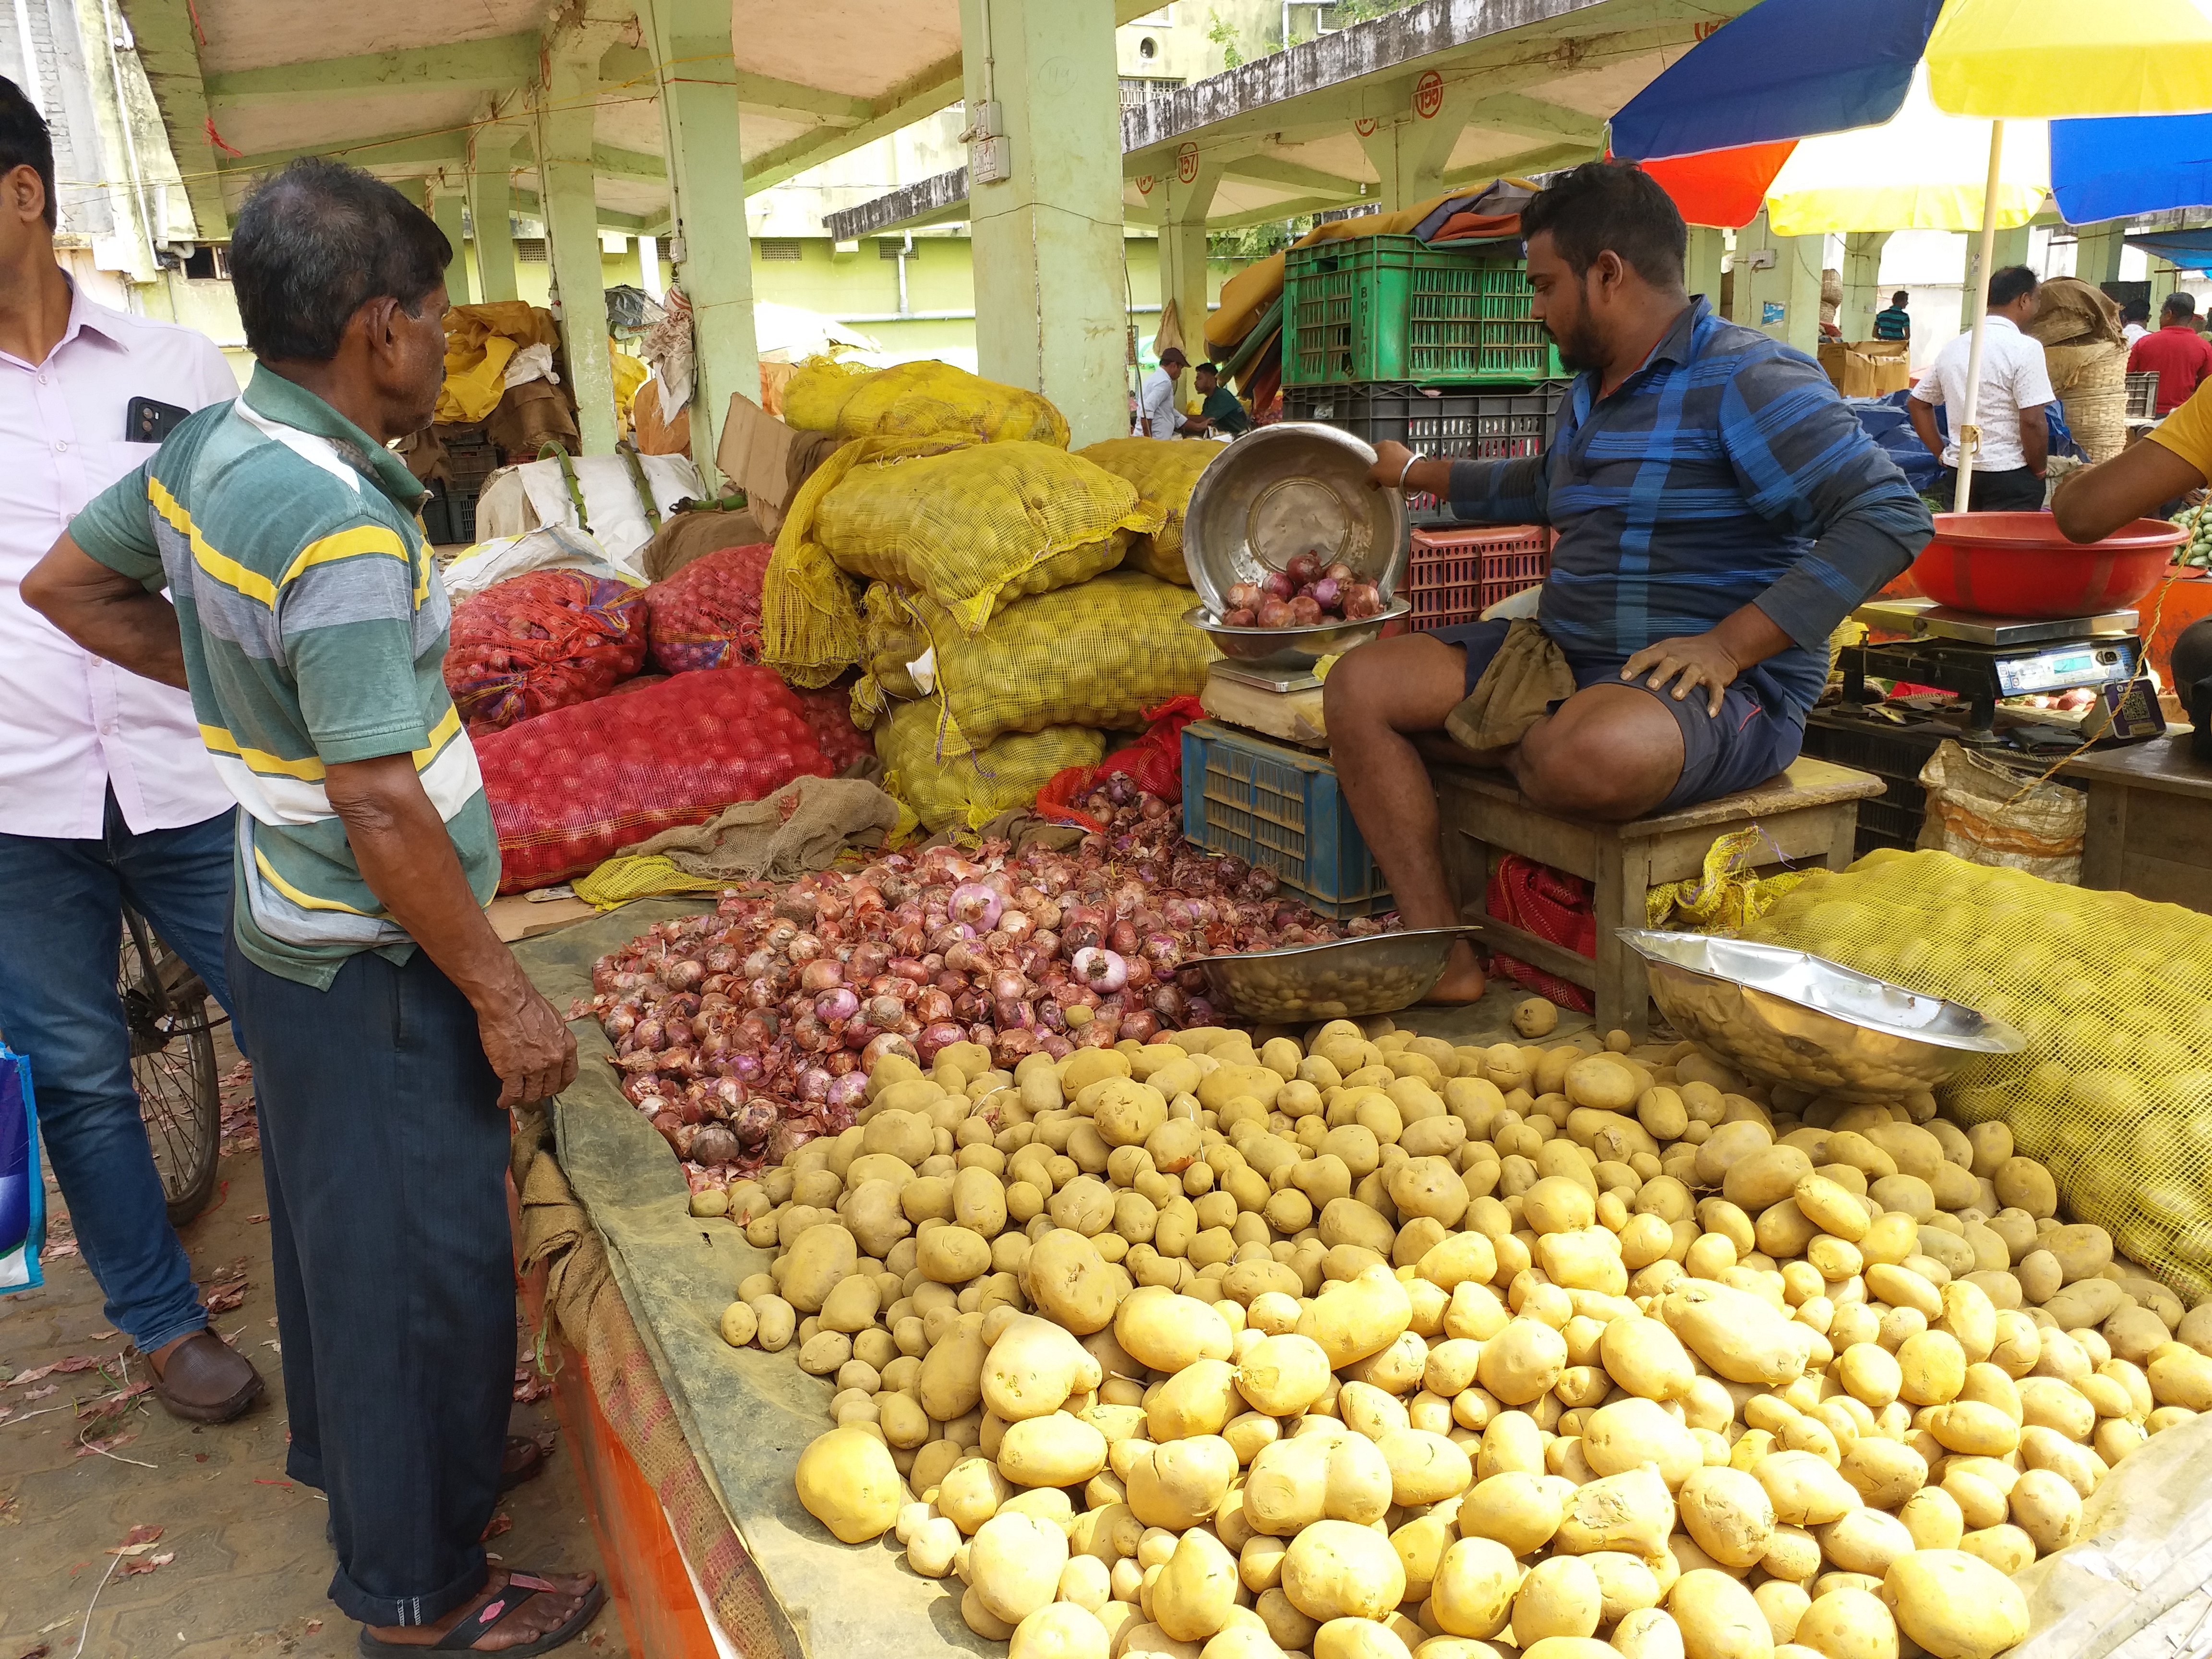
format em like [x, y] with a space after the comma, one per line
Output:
[1862, 294]
[1411, 140]
[1778, 284]
[1182, 254]
[2009, 249]
[568, 201]
[1049, 298]
[490, 207]
[2164, 277]
[1701, 264]
[446, 208]
[706, 176]
[2097, 252]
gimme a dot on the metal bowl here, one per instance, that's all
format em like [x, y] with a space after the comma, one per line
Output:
[1343, 979]
[1286, 647]
[1286, 490]
[1789, 1017]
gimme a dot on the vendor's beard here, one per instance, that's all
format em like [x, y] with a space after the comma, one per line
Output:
[1579, 347]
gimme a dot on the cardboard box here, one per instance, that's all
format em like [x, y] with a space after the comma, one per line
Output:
[1867, 369]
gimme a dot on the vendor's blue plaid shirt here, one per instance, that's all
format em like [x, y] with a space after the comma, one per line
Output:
[1725, 471]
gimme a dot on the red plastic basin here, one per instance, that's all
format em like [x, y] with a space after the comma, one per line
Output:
[2017, 564]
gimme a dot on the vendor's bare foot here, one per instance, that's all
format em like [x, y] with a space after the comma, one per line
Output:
[505, 1623]
[1463, 981]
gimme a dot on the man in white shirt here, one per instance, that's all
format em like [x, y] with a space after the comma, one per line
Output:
[2015, 389]
[106, 795]
[1159, 417]
[2134, 322]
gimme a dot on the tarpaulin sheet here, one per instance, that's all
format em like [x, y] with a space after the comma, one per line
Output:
[746, 1414]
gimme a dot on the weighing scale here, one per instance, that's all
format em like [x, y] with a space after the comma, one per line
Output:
[1299, 677]
[1982, 660]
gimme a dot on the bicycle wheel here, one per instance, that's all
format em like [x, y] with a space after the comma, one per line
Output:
[172, 1064]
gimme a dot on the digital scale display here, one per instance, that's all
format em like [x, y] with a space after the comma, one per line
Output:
[2062, 668]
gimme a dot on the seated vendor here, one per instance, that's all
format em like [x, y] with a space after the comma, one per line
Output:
[1719, 511]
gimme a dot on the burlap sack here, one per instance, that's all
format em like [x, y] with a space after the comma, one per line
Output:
[2071, 311]
[802, 827]
[1991, 815]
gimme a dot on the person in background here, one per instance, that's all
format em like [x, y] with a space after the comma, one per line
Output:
[1219, 408]
[2177, 354]
[392, 1030]
[2134, 322]
[106, 797]
[1719, 511]
[1161, 418]
[1895, 322]
[2145, 480]
[2015, 386]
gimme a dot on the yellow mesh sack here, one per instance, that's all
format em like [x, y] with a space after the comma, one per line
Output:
[976, 523]
[1727, 895]
[917, 400]
[810, 620]
[1098, 655]
[2114, 996]
[955, 787]
[1165, 470]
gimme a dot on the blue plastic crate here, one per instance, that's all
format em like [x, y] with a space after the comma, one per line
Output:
[1278, 807]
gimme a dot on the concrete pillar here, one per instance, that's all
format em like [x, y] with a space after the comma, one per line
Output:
[1778, 284]
[2009, 249]
[1182, 251]
[446, 208]
[2164, 277]
[1050, 306]
[567, 199]
[1862, 294]
[713, 253]
[2097, 252]
[1701, 264]
[489, 209]
[1410, 148]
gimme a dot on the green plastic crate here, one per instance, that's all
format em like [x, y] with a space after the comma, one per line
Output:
[1394, 308]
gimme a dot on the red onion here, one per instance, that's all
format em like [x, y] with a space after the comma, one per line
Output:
[975, 904]
[837, 1004]
[1140, 1027]
[715, 1144]
[1199, 1011]
[803, 947]
[1243, 616]
[1007, 986]
[1276, 586]
[1305, 611]
[886, 1043]
[850, 1090]
[943, 1034]
[823, 974]
[1102, 970]
[1242, 595]
[1328, 593]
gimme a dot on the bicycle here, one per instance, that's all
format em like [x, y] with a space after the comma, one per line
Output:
[165, 1008]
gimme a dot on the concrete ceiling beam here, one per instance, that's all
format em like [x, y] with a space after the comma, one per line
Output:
[495, 64]
[168, 39]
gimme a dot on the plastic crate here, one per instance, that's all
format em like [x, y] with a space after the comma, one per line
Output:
[2143, 396]
[1394, 308]
[1453, 576]
[1280, 808]
[1469, 423]
[1894, 754]
[449, 514]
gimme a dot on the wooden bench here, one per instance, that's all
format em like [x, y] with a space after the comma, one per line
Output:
[1809, 814]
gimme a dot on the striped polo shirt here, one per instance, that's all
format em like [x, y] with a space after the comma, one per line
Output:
[314, 634]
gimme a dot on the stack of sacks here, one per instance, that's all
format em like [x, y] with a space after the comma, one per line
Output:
[2083, 350]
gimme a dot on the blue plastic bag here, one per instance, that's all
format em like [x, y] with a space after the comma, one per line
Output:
[22, 1194]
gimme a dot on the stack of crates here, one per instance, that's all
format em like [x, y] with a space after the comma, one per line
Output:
[471, 458]
[1391, 339]
[1278, 807]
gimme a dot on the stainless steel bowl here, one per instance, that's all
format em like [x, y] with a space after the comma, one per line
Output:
[1286, 490]
[1788, 1017]
[1343, 979]
[1287, 647]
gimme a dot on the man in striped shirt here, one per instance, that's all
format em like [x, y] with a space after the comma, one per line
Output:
[389, 1025]
[1719, 511]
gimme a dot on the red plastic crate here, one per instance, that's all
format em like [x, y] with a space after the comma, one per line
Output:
[1454, 575]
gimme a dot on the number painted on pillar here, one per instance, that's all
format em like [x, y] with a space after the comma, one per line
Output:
[1706, 31]
[1186, 164]
[1365, 126]
[1429, 95]
[1145, 185]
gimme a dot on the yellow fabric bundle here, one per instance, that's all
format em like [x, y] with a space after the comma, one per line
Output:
[479, 340]
[1165, 470]
[2114, 995]
[917, 400]
[1097, 655]
[968, 788]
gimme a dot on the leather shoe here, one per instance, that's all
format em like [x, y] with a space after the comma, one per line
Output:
[206, 1381]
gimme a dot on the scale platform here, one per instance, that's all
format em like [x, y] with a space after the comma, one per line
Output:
[1267, 680]
[1925, 619]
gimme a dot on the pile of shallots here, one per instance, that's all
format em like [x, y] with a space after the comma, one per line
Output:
[745, 1032]
[1304, 594]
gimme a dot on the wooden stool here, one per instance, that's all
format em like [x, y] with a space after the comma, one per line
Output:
[1808, 812]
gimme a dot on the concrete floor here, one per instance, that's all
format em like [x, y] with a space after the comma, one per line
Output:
[243, 1563]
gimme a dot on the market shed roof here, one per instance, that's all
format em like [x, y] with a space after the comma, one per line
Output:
[1528, 83]
[409, 87]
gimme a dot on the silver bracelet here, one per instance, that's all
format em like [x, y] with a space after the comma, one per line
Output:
[1408, 467]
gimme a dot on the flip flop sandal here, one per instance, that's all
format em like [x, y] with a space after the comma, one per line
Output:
[521, 1589]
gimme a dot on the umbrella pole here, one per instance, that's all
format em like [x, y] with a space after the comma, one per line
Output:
[1970, 434]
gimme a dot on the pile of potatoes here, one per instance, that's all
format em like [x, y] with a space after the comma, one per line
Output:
[1368, 1347]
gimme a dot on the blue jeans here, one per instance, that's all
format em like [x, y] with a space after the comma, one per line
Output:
[61, 931]
[385, 1150]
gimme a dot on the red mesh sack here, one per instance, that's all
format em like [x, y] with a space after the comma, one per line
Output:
[576, 785]
[708, 615]
[1553, 905]
[829, 713]
[1153, 763]
[542, 641]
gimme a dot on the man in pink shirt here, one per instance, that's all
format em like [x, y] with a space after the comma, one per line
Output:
[106, 795]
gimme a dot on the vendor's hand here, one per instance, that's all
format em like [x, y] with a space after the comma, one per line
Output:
[1390, 460]
[530, 1048]
[1693, 661]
